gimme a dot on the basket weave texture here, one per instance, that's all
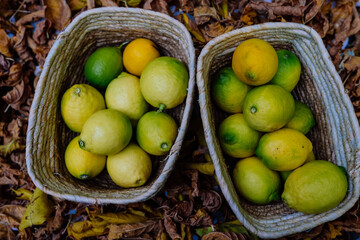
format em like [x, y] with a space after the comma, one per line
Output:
[336, 135]
[48, 136]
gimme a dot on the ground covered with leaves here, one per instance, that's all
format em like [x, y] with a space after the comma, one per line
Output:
[191, 205]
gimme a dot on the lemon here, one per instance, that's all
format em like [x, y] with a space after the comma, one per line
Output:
[268, 108]
[123, 94]
[255, 62]
[129, 168]
[284, 149]
[255, 182]
[106, 132]
[289, 70]
[237, 139]
[103, 65]
[78, 103]
[82, 164]
[285, 174]
[164, 82]
[311, 157]
[138, 53]
[228, 91]
[315, 187]
[156, 132]
[303, 119]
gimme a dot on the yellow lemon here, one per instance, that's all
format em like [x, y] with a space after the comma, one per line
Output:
[284, 149]
[138, 53]
[315, 187]
[255, 62]
[106, 132]
[255, 182]
[82, 164]
[123, 94]
[303, 119]
[78, 103]
[129, 168]
[237, 139]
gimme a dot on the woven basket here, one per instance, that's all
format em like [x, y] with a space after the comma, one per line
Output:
[48, 136]
[336, 136]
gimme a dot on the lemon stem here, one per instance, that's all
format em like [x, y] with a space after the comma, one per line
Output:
[253, 109]
[126, 5]
[161, 107]
[77, 91]
[81, 144]
[121, 45]
[164, 146]
[84, 176]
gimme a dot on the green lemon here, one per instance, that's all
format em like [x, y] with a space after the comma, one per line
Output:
[164, 81]
[78, 103]
[123, 94]
[303, 119]
[315, 187]
[237, 139]
[268, 108]
[103, 65]
[255, 182]
[106, 132]
[311, 157]
[285, 174]
[228, 92]
[288, 71]
[82, 164]
[129, 168]
[156, 132]
[284, 149]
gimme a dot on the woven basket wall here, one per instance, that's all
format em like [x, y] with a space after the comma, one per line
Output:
[336, 136]
[48, 135]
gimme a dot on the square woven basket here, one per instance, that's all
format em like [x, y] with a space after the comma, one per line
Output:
[336, 135]
[48, 136]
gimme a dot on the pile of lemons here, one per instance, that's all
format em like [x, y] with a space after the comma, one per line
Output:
[118, 127]
[267, 128]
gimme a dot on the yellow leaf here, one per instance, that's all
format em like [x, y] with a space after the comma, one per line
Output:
[132, 3]
[23, 193]
[37, 211]
[5, 43]
[84, 229]
[76, 5]
[191, 26]
[222, 9]
[130, 230]
[205, 168]
[334, 231]
[118, 218]
[7, 149]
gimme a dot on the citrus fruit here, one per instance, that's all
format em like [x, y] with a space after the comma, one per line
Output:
[106, 132]
[311, 157]
[78, 103]
[156, 132]
[123, 94]
[255, 182]
[268, 108]
[303, 119]
[315, 187]
[289, 69]
[82, 164]
[237, 139]
[138, 53]
[164, 82]
[284, 149]
[285, 174]
[228, 91]
[103, 65]
[129, 168]
[255, 62]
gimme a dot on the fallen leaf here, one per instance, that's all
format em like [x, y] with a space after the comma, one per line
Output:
[353, 65]
[37, 211]
[216, 236]
[11, 215]
[19, 44]
[23, 193]
[133, 3]
[249, 16]
[5, 47]
[204, 168]
[156, 5]
[7, 149]
[193, 29]
[42, 32]
[5, 65]
[313, 9]
[130, 230]
[203, 14]
[18, 95]
[117, 218]
[211, 200]
[90, 4]
[334, 231]
[233, 227]
[171, 227]
[84, 229]
[193, 175]
[31, 17]
[321, 24]
[58, 12]
[221, 7]
[204, 230]
[14, 76]
[6, 232]
[201, 218]
[108, 3]
[76, 5]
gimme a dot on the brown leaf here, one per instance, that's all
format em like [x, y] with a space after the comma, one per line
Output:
[131, 230]
[18, 95]
[31, 17]
[14, 76]
[201, 218]
[20, 45]
[181, 211]
[211, 200]
[58, 12]
[203, 14]
[313, 9]
[321, 24]
[11, 215]
[216, 236]
[193, 175]
[353, 65]
[5, 44]
[171, 227]
[216, 29]
[5, 65]
[42, 32]
[76, 5]
[108, 3]
[157, 5]
[249, 16]
[6, 232]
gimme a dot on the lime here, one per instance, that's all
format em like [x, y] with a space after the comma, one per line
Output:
[284, 149]
[315, 187]
[82, 164]
[103, 65]
[228, 91]
[106, 132]
[129, 168]
[255, 62]
[78, 103]
[156, 132]
[164, 82]
[138, 53]
[303, 119]
[123, 94]
[268, 108]
[237, 139]
[288, 72]
[255, 182]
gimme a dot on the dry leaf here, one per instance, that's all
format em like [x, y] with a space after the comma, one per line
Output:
[157, 5]
[19, 43]
[5, 47]
[6, 232]
[42, 32]
[23, 193]
[108, 3]
[31, 17]
[133, 3]
[118, 218]
[353, 65]
[58, 12]
[90, 4]
[204, 168]
[11, 215]
[204, 14]
[334, 231]
[216, 236]
[211, 200]
[18, 95]
[130, 230]
[84, 229]
[193, 29]
[76, 5]
[201, 218]
[215, 29]
[7, 149]
[171, 227]
[14, 76]
[313, 10]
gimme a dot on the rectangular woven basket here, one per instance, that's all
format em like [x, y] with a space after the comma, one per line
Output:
[336, 135]
[48, 136]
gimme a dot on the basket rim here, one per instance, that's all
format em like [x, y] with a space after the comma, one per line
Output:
[211, 145]
[188, 106]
